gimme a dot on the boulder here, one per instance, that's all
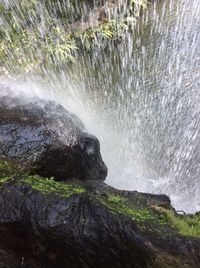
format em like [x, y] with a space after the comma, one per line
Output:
[41, 137]
[87, 224]
[77, 220]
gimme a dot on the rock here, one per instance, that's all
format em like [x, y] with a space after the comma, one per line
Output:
[41, 137]
[44, 223]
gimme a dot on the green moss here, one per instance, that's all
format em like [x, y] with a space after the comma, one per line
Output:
[7, 168]
[7, 171]
[117, 199]
[147, 220]
[49, 186]
[187, 225]
[118, 205]
[3, 180]
[157, 220]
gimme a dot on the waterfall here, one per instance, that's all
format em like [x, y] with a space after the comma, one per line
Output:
[141, 97]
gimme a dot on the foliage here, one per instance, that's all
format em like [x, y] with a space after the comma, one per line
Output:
[35, 33]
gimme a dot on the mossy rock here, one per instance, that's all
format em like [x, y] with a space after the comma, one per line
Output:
[77, 220]
[154, 219]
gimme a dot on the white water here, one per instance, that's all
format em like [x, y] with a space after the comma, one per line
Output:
[142, 100]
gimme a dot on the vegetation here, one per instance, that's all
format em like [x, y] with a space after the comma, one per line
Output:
[7, 171]
[118, 204]
[151, 219]
[4, 179]
[156, 218]
[34, 33]
[159, 220]
[147, 219]
[50, 186]
[44, 185]
[188, 225]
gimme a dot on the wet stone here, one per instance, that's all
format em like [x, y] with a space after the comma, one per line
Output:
[42, 137]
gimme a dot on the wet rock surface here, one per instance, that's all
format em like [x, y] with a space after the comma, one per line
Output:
[90, 224]
[43, 138]
[76, 220]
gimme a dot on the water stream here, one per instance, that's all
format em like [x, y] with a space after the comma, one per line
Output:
[141, 98]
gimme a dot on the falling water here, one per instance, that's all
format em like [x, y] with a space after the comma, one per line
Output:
[141, 98]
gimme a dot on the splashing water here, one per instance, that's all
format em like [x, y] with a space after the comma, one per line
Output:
[141, 98]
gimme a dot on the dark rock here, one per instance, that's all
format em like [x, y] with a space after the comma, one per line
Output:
[43, 138]
[76, 224]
